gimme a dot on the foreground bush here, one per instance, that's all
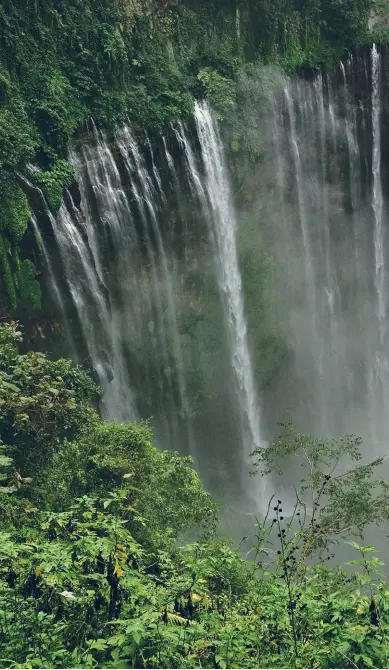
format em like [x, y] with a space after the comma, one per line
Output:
[108, 553]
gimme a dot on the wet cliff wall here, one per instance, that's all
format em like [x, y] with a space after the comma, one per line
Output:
[63, 63]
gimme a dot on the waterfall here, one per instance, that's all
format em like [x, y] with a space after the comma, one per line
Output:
[377, 193]
[224, 225]
[380, 364]
[95, 318]
[306, 195]
[149, 197]
[117, 287]
[159, 273]
[215, 195]
[332, 205]
[101, 171]
[52, 280]
[87, 300]
[134, 161]
[49, 267]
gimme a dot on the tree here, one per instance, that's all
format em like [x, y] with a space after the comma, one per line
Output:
[339, 494]
[42, 403]
[167, 491]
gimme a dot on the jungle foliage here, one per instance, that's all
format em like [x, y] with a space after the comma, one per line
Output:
[109, 555]
[62, 63]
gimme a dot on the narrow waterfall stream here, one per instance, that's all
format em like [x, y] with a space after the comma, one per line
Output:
[165, 271]
[216, 200]
[379, 368]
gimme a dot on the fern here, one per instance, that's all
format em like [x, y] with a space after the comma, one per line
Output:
[177, 620]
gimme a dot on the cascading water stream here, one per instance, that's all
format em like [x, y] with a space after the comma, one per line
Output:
[149, 197]
[304, 198]
[377, 194]
[380, 365]
[53, 282]
[215, 195]
[102, 173]
[310, 278]
[333, 140]
[224, 230]
[90, 302]
[113, 207]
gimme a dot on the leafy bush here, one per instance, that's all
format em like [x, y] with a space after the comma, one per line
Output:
[171, 499]
[339, 495]
[221, 92]
[85, 593]
[18, 134]
[53, 182]
[41, 402]
[94, 571]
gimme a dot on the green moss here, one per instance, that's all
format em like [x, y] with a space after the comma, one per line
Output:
[6, 271]
[53, 181]
[18, 134]
[220, 91]
[309, 33]
[18, 276]
[29, 287]
[14, 213]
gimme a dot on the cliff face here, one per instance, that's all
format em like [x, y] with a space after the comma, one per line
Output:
[62, 64]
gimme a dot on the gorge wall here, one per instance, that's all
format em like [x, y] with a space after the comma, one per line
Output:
[220, 307]
[218, 266]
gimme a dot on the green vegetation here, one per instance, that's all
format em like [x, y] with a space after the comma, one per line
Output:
[18, 276]
[311, 32]
[63, 63]
[109, 555]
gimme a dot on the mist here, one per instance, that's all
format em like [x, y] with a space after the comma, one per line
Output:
[317, 207]
[217, 297]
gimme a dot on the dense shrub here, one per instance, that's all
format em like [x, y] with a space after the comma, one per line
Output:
[108, 554]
